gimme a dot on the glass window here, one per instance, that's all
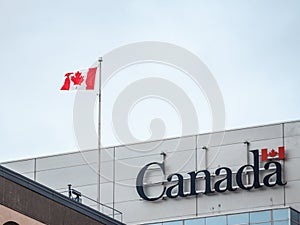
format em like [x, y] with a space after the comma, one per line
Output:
[194, 222]
[268, 223]
[263, 216]
[241, 218]
[280, 217]
[220, 220]
[294, 215]
[280, 214]
[178, 222]
[281, 222]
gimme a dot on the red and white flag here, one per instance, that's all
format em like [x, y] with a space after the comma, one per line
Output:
[272, 154]
[80, 80]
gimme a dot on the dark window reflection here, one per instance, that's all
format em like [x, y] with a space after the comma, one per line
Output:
[10, 223]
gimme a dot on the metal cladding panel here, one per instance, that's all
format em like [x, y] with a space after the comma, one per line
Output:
[128, 168]
[292, 193]
[125, 184]
[155, 147]
[107, 154]
[106, 193]
[292, 129]
[291, 170]
[180, 161]
[292, 145]
[107, 171]
[240, 200]
[125, 191]
[139, 212]
[292, 161]
[66, 160]
[22, 166]
[294, 205]
[73, 159]
[176, 161]
[240, 135]
[267, 143]
[232, 155]
[29, 175]
[60, 178]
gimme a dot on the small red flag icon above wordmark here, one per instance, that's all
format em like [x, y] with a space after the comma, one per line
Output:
[80, 80]
[272, 154]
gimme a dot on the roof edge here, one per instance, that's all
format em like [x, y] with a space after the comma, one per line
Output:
[57, 197]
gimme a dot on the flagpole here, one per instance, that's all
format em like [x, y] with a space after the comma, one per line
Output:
[99, 134]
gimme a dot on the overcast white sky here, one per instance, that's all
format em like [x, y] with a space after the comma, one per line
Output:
[251, 47]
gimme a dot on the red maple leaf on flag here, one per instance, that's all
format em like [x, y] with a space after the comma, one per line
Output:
[272, 153]
[77, 79]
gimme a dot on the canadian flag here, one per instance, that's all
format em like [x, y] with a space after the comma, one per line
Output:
[80, 80]
[266, 154]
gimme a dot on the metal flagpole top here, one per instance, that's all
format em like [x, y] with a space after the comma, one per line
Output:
[99, 136]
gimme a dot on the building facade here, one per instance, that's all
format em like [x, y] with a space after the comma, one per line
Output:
[241, 176]
[26, 202]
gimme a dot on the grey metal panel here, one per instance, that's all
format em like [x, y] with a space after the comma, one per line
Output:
[292, 146]
[106, 193]
[138, 212]
[21, 166]
[106, 171]
[295, 206]
[73, 159]
[210, 139]
[125, 191]
[268, 143]
[29, 175]
[65, 160]
[291, 170]
[232, 156]
[292, 129]
[129, 168]
[107, 154]
[240, 135]
[240, 200]
[155, 147]
[292, 192]
[60, 178]
[180, 161]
